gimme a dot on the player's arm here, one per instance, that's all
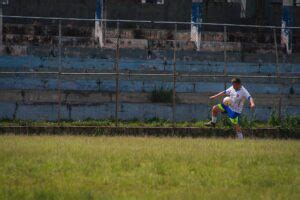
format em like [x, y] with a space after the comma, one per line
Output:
[221, 94]
[252, 104]
[250, 99]
[218, 95]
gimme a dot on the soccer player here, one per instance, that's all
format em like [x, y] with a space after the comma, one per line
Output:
[238, 94]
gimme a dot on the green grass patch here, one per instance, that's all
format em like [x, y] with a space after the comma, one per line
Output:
[44, 167]
[289, 122]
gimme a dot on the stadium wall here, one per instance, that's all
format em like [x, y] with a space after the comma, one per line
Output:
[34, 97]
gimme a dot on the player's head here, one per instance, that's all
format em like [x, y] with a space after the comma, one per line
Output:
[236, 83]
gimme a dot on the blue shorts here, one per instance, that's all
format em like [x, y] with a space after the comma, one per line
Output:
[233, 116]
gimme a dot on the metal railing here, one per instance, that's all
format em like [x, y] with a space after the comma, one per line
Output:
[146, 21]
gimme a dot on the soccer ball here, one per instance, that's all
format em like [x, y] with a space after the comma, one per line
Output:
[227, 101]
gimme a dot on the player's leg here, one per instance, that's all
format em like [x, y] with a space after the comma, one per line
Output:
[214, 113]
[237, 127]
[238, 131]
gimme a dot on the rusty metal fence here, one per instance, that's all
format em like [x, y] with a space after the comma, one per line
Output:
[60, 22]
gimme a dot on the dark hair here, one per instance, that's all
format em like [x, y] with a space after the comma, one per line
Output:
[236, 80]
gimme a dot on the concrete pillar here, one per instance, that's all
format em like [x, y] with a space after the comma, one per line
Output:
[197, 17]
[287, 21]
[243, 8]
[99, 28]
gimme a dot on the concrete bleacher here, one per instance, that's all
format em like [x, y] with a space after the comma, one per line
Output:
[35, 97]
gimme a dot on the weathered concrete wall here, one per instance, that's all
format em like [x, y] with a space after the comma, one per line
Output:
[35, 97]
[199, 63]
[76, 35]
[51, 52]
[79, 105]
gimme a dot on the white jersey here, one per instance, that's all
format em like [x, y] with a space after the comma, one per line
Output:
[237, 98]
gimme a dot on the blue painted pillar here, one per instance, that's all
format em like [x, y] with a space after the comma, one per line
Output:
[197, 17]
[287, 21]
[99, 37]
[99, 9]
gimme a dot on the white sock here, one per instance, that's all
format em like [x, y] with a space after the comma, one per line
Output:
[240, 136]
[214, 119]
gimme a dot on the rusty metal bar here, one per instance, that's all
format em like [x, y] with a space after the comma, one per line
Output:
[30, 73]
[151, 74]
[1, 26]
[174, 79]
[225, 56]
[280, 106]
[143, 21]
[278, 75]
[276, 52]
[117, 70]
[222, 24]
[74, 19]
[59, 74]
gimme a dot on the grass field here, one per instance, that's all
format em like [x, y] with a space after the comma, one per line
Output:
[66, 167]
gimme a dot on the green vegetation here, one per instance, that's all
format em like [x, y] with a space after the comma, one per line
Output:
[161, 96]
[44, 167]
[274, 119]
[287, 123]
